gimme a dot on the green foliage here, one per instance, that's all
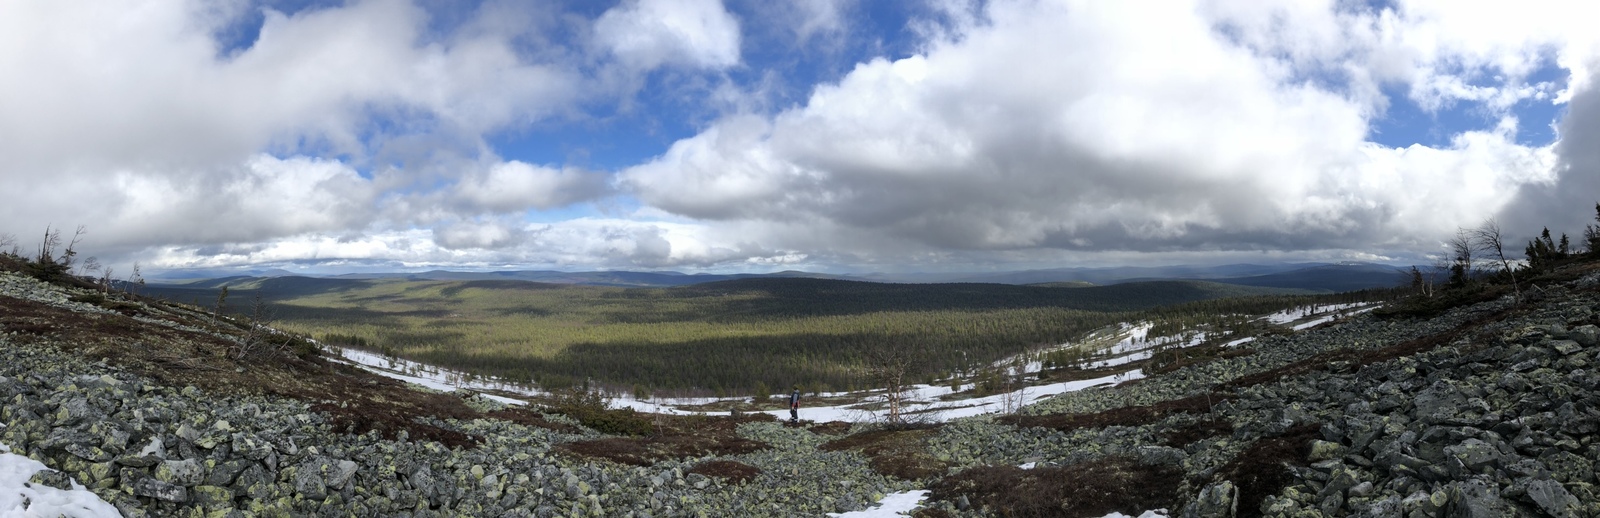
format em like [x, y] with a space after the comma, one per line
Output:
[591, 408]
[346, 340]
[304, 348]
[1591, 234]
[1543, 252]
[762, 392]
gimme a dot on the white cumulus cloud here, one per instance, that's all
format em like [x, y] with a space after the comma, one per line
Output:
[646, 34]
[1113, 126]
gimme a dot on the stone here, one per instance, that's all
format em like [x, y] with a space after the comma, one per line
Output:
[1325, 450]
[308, 482]
[152, 488]
[1586, 335]
[74, 412]
[1552, 498]
[1338, 483]
[1477, 499]
[1438, 402]
[341, 473]
[1161, 455]
[212, 497]
[1566, 466]
[1566, 347]
[1474, 455]
[89, 453]
[1218, 500]
[185, 472]
[226, 472]
[51, 478]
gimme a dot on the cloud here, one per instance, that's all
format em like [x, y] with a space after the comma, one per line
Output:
[478, 235]
[1563, 203]
[134, 120]
[492, 243]
[517, 186]
[1096, 126]
[1019, 131]
[816, 17]
[262, 198]
[646, 34]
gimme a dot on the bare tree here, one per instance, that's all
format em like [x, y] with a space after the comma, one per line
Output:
[9, 241]
[1488, 239]
[891, 367]
[47, 246]
[89, 266]
[1016, 391]
[105, 280]
[259, 335]
[222, 303]
[135, 280]
[68, 255]
[1461, 247]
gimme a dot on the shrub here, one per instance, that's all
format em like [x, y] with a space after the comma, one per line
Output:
[593, 410]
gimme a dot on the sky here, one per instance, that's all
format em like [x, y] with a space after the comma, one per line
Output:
[820, 135]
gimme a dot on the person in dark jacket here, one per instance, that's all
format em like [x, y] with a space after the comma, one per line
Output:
[794, 406]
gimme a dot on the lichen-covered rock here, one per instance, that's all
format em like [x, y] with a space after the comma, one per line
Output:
[1218, 500]
[159, 490]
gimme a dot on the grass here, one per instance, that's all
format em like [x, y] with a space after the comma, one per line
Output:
[677, 437]
[1122, 416]
[729, 470]
[894, 452]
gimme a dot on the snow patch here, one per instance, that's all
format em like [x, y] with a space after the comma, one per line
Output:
[893, 505]
[21, 499]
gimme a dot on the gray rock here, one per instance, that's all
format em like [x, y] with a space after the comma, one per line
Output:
[1161, 455]
[341, 473]
[51, 478]
[1217, 500]
[74, 412]
[226, 472]
[1566, 347]
[1586, 335]
[1473, 456]
[308, 482]
[152, 488]
[1438, 402]
[1477, 499]
[1553, 499]
[1325, 450]
[185, 472]
[1567, 467]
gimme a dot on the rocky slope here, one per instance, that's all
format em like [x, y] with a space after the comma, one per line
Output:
[1484, 410]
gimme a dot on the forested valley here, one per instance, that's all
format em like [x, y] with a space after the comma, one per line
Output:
[733, 337]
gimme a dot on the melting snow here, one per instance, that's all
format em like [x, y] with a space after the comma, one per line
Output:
[19, 498]
[1158, 513]
[893, 505]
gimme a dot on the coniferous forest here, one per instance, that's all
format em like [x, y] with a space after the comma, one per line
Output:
[724, 337]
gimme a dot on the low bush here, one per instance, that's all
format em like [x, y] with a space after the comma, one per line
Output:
[593, 410]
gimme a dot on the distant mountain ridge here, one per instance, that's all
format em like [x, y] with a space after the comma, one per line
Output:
[1321, 277]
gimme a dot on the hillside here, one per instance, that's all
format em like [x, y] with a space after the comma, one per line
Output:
[1472, 407]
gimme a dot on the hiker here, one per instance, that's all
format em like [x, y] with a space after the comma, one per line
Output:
[794, 406]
